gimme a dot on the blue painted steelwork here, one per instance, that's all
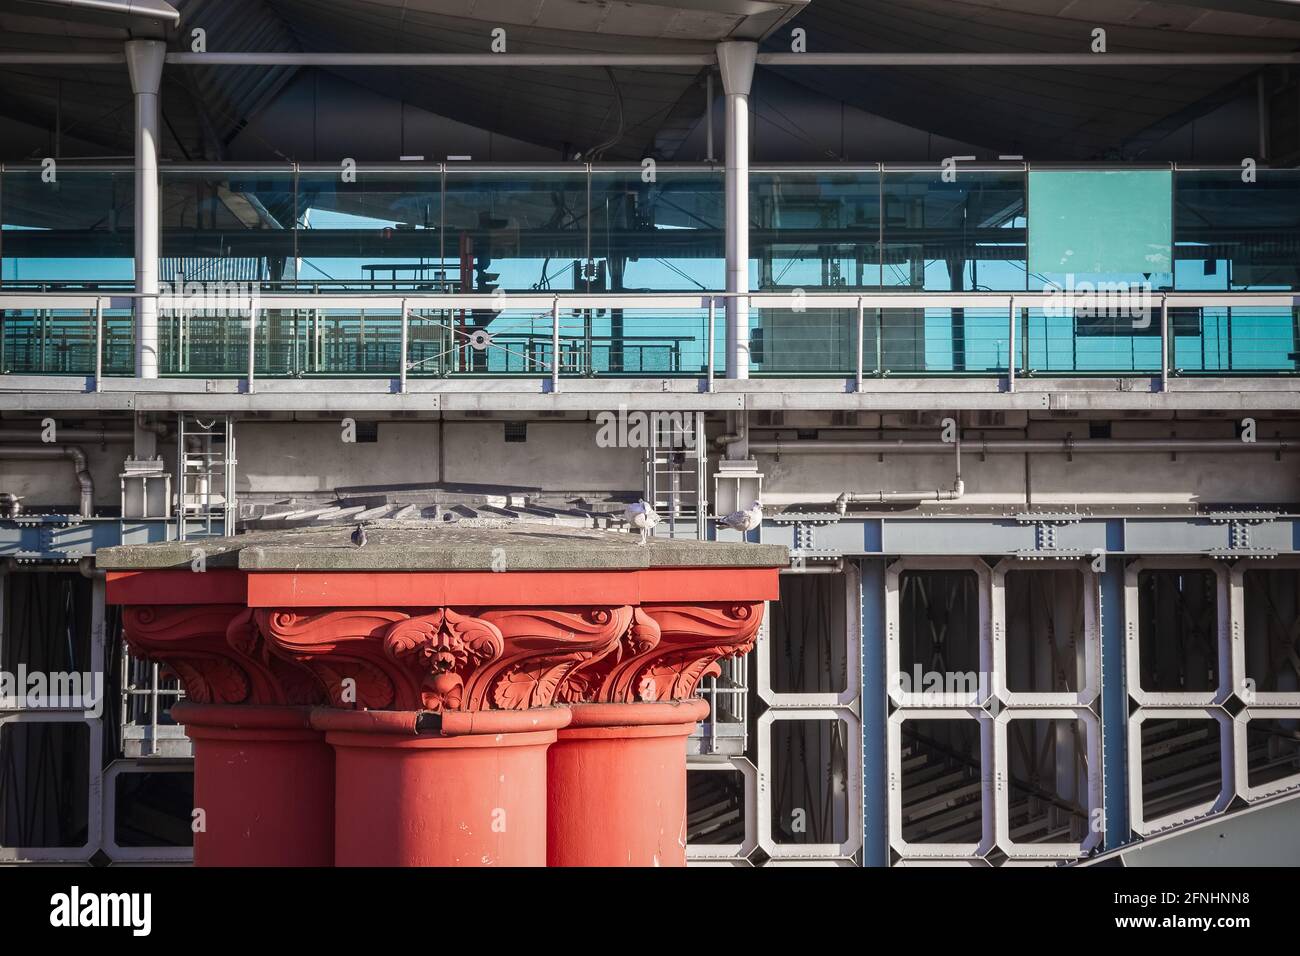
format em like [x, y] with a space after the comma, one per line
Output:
[875, 805]
[1114, 695]
[68, 538]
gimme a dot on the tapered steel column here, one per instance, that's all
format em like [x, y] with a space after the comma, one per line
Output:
[144, 61]
[736, 64]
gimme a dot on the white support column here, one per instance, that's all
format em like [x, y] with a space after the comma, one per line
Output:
[144, 61]
[736, 64]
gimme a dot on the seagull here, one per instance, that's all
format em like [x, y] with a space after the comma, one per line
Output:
[642, 517]
[744, 521]
[359, 537]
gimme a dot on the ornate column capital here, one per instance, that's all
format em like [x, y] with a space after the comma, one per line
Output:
[667, 650]
[218, 654]
[444, 658]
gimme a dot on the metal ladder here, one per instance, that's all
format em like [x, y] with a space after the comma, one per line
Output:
[676, 473]
[205, 476]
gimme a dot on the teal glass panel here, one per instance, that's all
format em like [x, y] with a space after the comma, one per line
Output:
[1089, 226]
[227, 225]
[75, 232]
[814, 230]
[1232, 234]
[961, 236]
[1242, 339]
[379, 232]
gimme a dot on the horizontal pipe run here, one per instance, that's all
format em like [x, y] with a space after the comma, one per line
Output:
[1062, 446]
[94, 436]
[1026, 59]
[569, 60]
[52, 452]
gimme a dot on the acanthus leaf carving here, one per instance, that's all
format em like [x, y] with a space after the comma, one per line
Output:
[546, 649]
[344, 651]
[692, 639]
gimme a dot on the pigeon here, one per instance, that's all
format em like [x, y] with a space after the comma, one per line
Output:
[359, 537]
[744, 521]
[642, 517]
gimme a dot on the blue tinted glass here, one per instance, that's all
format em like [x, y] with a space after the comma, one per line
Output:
[378, 232]
[960, 236]
[74, 231]
[814, 230]
[1236, 234]
[227, 225]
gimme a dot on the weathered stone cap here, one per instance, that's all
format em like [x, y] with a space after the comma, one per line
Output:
[482, 545]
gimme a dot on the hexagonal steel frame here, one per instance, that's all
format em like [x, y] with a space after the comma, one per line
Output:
[1237, 588]
[1227, 767]
[853, 683]
[699, 852]
[893, 666]
[1002, 794]
[1132, 655]
[1091, 638]
[140, 854]
[940, 851]
[94, 799]
[853, 752]
[1244, 789]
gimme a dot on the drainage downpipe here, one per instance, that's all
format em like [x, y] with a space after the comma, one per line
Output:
[50, 452]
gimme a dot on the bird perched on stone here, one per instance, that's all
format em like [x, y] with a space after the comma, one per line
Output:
[743, 521]
[642, 517]
[359, 536]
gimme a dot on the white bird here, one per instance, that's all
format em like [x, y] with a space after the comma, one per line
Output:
[744, 521]
[642, 517]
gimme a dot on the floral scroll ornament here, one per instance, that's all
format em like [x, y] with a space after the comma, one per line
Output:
[444, 647]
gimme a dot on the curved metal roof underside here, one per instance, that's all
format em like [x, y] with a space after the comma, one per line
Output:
[1065, 113]
[1057, 112]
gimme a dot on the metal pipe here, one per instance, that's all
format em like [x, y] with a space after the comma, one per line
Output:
[12, 505]
[713, 318]
[95, 436]
[1029, 446]
[99, 345]
[736, 64]
[910, 497]
[861, 325]
[1025, 59]
[569, 60]
[559, 60]
[144, 60]
[555, 345]
[708, 116]
[406, 321]
[72, 453]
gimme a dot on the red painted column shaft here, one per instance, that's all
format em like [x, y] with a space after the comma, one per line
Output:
[469, 791]
[617, 785]
[264, 780]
